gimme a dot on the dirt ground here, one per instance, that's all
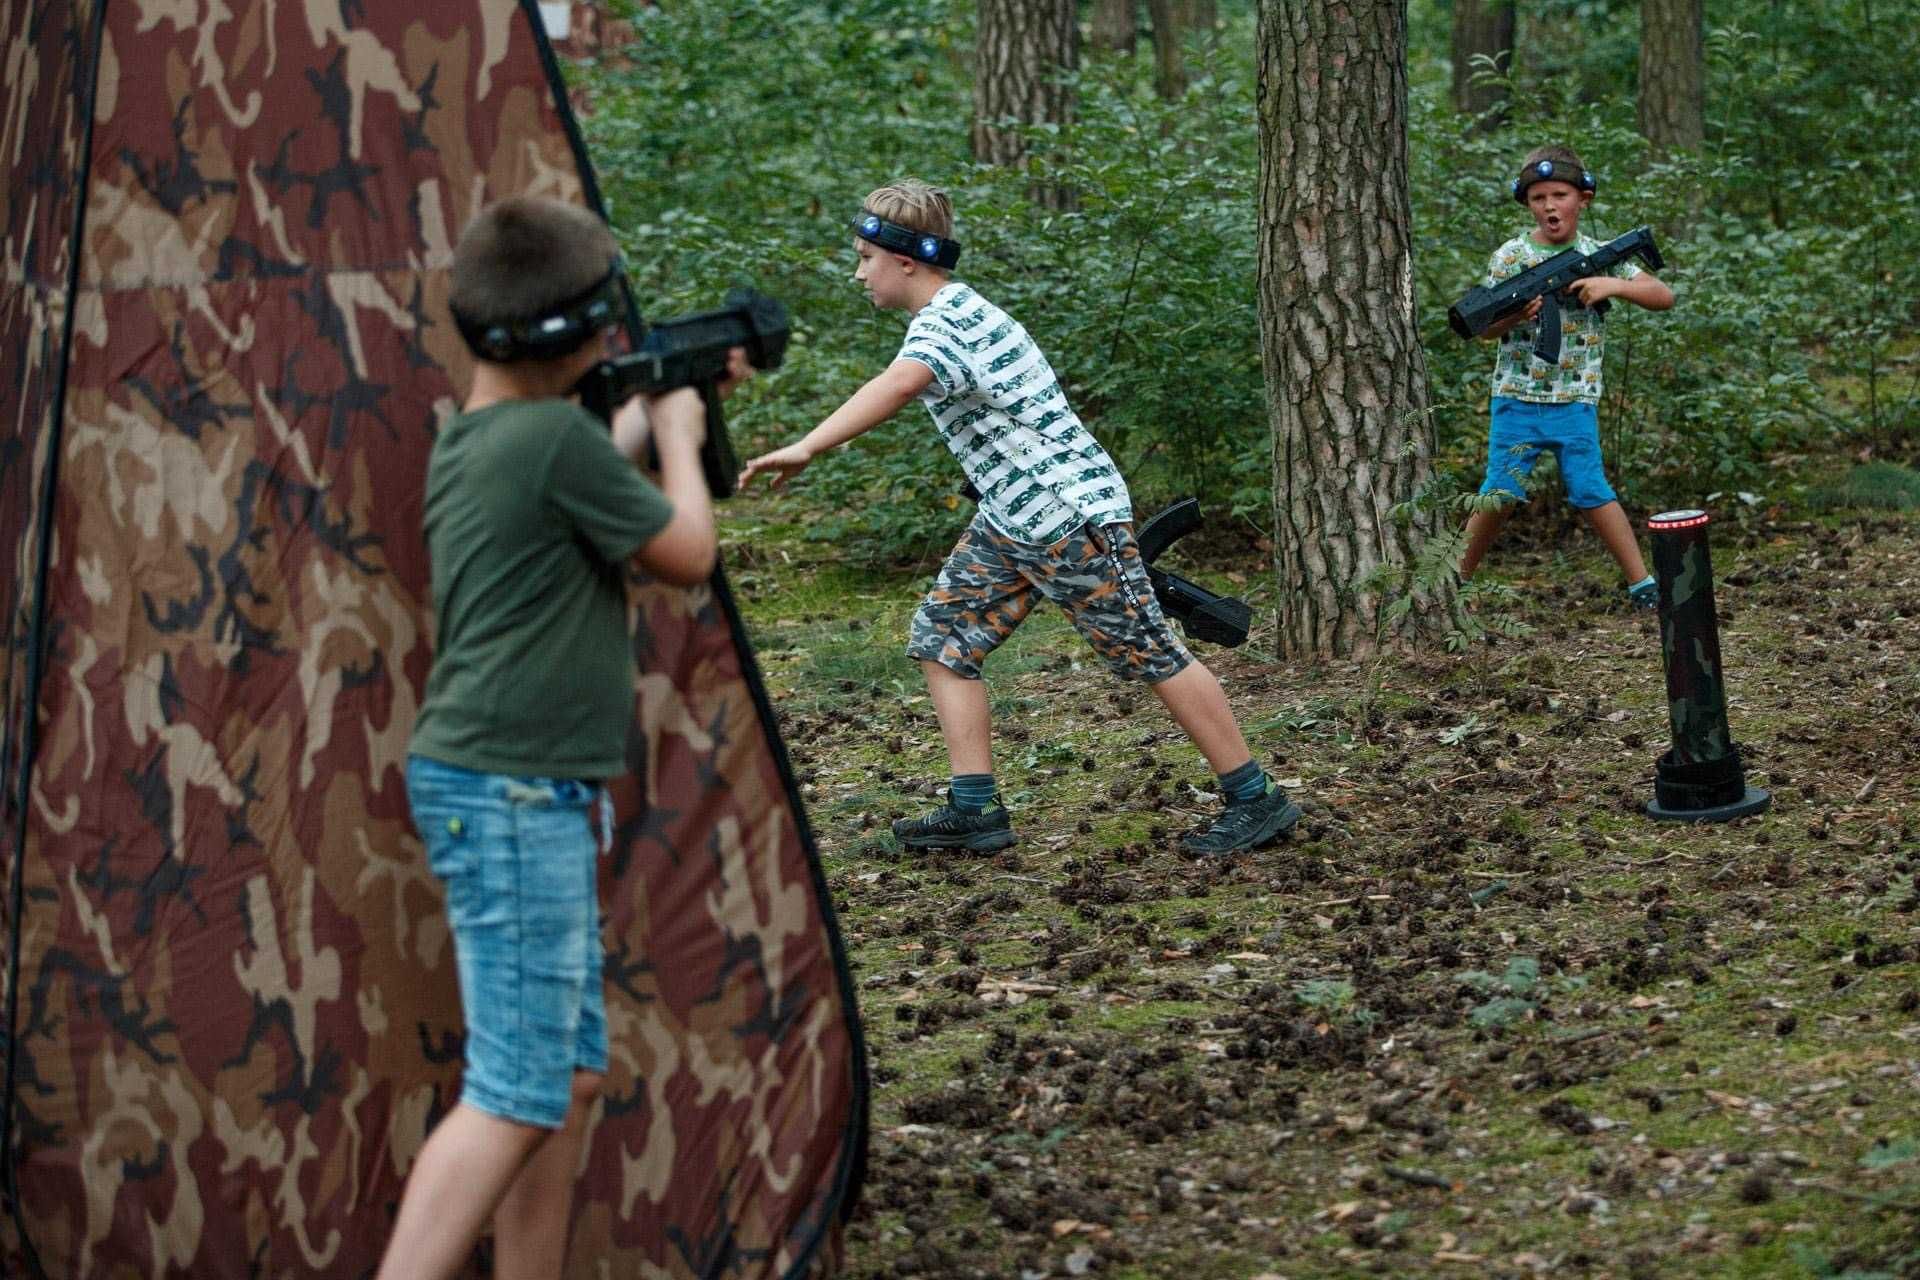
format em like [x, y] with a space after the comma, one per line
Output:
[1479, 1016]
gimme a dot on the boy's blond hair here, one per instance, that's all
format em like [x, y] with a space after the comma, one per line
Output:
[525, 255]
[915, 205]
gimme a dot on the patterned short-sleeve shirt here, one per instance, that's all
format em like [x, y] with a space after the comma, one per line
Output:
[1001, 411]
[1517, 374]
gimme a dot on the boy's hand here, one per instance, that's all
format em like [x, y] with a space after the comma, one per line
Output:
[1501, 328]
[782, 464]
[738, 371]
[1592, 289]
[631, 429]
[679, 419]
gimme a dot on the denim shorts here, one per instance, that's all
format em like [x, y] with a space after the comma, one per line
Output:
[1520, 429]
[1096, 577]
[517, 857]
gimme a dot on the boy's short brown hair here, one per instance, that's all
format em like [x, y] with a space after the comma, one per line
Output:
[524, 256]
[915, 205]
[1553, 153]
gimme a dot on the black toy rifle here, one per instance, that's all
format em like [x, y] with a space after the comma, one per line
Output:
[1221, 620]
[691, 351]
[1483, 307]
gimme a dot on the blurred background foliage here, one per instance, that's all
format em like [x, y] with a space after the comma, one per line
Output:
[734, 140]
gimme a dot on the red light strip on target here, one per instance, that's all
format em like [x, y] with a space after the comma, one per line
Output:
[1679, 520]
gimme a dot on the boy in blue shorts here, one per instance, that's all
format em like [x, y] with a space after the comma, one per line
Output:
[1054, 522]
[1539, 406]
[532, 512]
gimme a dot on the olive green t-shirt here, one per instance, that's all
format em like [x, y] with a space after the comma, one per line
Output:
[531, 513]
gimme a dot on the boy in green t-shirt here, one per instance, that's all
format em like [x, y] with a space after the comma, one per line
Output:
[532, 512]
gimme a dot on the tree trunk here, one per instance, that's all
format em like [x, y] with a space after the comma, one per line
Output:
[1114, 25]
[1346, 380]
[1169, 71]
[1200, 15]
[1673, 74]
[1481, 29]
[1023, 48]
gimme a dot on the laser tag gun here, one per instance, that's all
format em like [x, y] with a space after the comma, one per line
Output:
[691, 351]
[1482, 307]
[1221, 620]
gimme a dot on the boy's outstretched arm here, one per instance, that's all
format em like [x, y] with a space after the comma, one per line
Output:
[1645, 290]
[882, 397]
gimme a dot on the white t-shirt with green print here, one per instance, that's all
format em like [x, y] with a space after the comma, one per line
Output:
[1517, 374]
[1001, 411]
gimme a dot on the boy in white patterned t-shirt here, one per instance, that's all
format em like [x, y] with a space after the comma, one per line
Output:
[1055, 522]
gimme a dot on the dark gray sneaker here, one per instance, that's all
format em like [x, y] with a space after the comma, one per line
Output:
[1246, 826]
[951, 828]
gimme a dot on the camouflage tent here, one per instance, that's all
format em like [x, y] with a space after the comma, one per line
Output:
[230, 1007]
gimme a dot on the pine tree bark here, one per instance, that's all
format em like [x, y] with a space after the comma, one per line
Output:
[1673, 74]
[1481, 29]
[1023, 48]
[1169, 68]
[1115, 25]
[1346, 380]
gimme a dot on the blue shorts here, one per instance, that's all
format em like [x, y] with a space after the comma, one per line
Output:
[517, 856]
[1520, 429]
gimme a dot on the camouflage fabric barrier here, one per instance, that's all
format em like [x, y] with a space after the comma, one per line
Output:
[231, 1014]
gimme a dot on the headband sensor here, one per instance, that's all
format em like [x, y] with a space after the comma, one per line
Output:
[921, 246]
[1553, 171]
[555, 331]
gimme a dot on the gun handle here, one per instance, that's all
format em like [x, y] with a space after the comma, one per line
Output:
[1546, 337]
[717, 459]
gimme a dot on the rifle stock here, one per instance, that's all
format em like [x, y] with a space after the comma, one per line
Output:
[1221, 620]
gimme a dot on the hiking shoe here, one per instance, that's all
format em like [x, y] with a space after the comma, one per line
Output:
[951, 828]
[1246, 826]
[1645, 596]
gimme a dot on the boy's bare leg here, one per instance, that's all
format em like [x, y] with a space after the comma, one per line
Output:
[965, 722]
[530, 1226]
[1611, 523]
[1482, 528]
[467, 1165]
[1199, 704]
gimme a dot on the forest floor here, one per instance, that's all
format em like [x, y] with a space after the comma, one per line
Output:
[1479, 1016]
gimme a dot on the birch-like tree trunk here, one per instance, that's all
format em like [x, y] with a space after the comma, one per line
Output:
[1169, 67]
[1023, 49]
[1481, 29]
[1346, 380]
[1115, 25]
[1673, 74]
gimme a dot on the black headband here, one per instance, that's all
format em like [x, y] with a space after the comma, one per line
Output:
[1552, 171]
[922, 246]
[554, 331]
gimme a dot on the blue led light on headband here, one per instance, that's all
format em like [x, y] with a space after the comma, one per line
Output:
[937, 251]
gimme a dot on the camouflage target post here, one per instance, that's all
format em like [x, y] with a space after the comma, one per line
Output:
[1700, 779]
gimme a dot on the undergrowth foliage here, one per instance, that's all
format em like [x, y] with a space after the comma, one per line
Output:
[735, 140]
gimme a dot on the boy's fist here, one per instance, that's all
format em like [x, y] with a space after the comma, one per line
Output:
[782, 465]
[679, 417]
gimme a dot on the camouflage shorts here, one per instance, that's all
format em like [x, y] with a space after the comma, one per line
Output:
[991, 582]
